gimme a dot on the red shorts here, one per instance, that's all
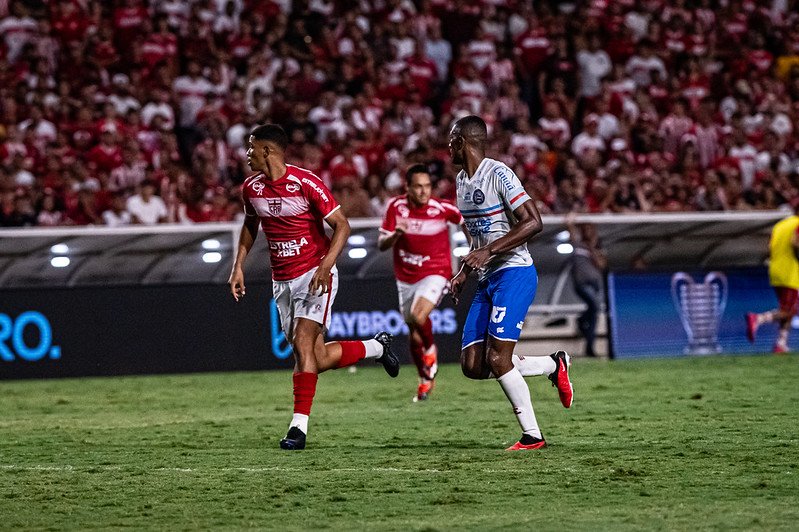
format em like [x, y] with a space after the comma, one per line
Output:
[788, 298]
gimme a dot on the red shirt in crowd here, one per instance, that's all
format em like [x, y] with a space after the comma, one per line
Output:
[292, 210]
[424, 248]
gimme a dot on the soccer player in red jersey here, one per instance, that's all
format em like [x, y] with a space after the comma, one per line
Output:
[415, 225]
[291, 205]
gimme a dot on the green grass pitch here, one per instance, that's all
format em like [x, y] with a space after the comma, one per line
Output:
[704, 443]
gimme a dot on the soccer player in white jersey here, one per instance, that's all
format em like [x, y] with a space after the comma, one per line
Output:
[501, 218]
[291, 205]
[415, 225]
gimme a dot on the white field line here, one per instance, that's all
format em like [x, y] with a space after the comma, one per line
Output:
[277, 469]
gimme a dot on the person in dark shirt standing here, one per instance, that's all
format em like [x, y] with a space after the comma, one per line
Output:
[588, 271]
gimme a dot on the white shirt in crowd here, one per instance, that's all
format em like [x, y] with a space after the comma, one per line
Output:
[584, 142]
[191, 94]
[439, 51]
[148, 212]
[593, 67]
[640, 68]
[112, 219]
[746, 155]
[154, 108]
[17, 32]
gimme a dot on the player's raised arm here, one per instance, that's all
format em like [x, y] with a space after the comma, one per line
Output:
[341, 232]
[249, 231]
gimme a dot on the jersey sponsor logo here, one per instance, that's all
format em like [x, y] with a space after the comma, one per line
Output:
[478, 226]
[258, 187]
[412, 258]
[288, 248]
[292, 187]
[275, 206]
[498, 314]
[478, 197]
[316, 188]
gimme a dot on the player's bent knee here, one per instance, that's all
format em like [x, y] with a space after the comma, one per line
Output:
[471, 366]
[498, 361]
[414, 320]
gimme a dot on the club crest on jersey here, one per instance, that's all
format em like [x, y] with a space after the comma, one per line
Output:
[258, 187]
[432, 211]
[275, 206]
[292, 187]
[478, 197]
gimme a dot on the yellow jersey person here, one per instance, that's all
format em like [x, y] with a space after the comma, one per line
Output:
[783, 272]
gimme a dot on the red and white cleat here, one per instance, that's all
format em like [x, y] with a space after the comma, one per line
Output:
[430, 361]
[423, 391]
[519, 446]
[560, 378]
[779, 349]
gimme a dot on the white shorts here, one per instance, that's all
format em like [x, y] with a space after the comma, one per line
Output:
[294, 300]
[432, 288]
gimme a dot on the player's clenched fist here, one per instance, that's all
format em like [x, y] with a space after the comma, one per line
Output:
[236, 283]
[456, 285]
[320, 282]
[477, 258]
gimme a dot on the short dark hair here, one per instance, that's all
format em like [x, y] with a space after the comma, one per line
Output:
[473, 130]
[413, 170]
[271, 133]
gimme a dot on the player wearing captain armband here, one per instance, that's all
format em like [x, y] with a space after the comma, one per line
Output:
[501, 218]
[415, 225]
[292, 205]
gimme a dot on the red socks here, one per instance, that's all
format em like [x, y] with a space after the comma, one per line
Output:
[426, 332]
[304, 390]
[351, 352]
[417, 353]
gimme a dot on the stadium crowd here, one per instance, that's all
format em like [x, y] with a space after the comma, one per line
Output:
[136, 111]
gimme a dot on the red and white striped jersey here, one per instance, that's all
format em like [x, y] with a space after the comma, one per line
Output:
[424, 248]
[292, 210]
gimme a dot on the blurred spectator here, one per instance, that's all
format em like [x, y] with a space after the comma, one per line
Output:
[602, 106]
[117, 215]
[145, 207]
[49, 213]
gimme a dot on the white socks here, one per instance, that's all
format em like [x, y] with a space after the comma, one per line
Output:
[515, 388]
[374, 349]
[300, 421]
[530, 366]
[765, 317]
[782, 339]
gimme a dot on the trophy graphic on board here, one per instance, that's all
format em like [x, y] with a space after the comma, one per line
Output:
[700, 306]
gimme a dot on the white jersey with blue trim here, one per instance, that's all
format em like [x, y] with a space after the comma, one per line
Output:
[487, 201]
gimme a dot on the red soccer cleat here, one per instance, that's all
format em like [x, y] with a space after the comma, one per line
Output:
[519, 446]
[423, 391]
[779, 349]
[560, 378]
[751, 326]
